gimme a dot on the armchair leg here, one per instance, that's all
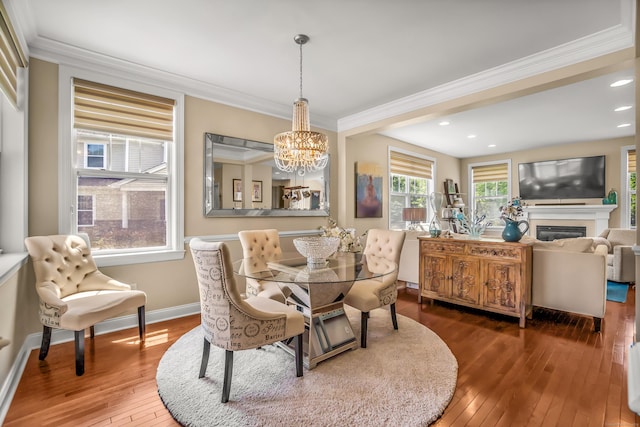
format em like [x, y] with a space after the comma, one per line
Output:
[597, 324]
[46, 341]
[79, 338]
[205, 358]
[363, 329]
[394, 318]
[141, 323]
[298, 348]
[228, 370]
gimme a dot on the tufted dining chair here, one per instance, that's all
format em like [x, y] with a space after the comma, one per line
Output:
[369, 294]
[233, 323]
[74, 295]
[263, 245]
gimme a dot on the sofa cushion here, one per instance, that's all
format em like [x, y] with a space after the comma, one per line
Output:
[578, 244]
[602, 241]
[621, 236]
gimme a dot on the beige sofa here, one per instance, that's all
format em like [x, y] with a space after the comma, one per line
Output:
[569, 275]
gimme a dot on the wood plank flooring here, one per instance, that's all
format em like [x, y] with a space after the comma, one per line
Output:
[555, 372]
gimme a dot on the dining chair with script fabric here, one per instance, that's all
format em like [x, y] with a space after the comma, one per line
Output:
[262, 246]
[369, 294]
[73, 293]
[233, 323]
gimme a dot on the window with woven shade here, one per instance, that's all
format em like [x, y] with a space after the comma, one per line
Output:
[123, 165]
[489, 189]
[11, 58]
[410, 182]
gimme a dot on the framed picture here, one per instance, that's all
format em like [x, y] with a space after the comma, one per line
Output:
[237, 190]
[450, 186]
[256, 191]
[368, 190]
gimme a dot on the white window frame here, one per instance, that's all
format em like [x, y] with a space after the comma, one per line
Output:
[471, 187]
[429, 190]
[67, 180]
[624, 196]
[87, 156]
[93, 209]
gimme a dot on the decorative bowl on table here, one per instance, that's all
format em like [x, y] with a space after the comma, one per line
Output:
[317, 249]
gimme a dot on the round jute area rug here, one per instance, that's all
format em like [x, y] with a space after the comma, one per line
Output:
[403, 378]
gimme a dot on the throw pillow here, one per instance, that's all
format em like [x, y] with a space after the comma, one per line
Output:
[579, 244]
[602, 241]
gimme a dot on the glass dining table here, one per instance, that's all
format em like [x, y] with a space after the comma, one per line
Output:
[318, 292]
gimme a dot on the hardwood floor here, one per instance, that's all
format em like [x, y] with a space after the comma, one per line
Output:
[556, 372]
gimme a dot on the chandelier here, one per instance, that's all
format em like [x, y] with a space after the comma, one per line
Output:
[301, 149]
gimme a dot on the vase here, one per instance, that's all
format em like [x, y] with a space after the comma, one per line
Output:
[435, 229]
[513, 230]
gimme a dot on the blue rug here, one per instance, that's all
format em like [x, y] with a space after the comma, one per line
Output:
[617, 291]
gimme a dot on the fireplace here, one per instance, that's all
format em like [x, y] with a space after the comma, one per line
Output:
[552, 232]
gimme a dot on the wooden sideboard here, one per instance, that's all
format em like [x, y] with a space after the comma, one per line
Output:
[487, 274]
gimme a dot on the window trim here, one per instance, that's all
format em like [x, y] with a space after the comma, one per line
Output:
[87, 155]
[624, 193]
[472, 196]
[413, 154]
[66, 178]
[93, 209]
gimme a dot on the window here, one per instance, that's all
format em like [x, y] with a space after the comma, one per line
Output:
[410, 182]
[124, 169]
[628, 196]
[85, 210]
[489, 189]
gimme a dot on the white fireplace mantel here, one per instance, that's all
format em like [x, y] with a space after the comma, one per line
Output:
[597, 213]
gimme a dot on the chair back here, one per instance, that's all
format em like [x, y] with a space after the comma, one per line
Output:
[61, 262]
[227, 320]
[386, 244]
[263, 244]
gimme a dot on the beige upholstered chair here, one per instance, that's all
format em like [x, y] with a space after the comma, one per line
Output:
[73, 293]
[621, 261]
[263, 245]
[233, 323]
[366, 295]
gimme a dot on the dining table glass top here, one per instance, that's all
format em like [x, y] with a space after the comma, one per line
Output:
[291, 267]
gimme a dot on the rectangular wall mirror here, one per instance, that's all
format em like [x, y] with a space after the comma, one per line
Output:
[241, 179]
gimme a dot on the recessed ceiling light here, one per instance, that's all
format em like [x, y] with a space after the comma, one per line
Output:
[491, 145]
[471, 136]
[621, 82]
[444, 123]
[623, 108]
[624, 125]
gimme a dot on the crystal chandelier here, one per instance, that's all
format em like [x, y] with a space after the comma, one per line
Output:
[301, 149]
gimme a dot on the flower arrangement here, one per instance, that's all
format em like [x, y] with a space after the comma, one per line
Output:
[349, 242]
[513, 210]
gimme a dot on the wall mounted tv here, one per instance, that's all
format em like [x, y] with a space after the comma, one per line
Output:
[578, 178]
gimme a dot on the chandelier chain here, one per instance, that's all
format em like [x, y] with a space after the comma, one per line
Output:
[301, 70]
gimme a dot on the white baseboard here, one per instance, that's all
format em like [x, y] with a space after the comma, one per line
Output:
[32, 341]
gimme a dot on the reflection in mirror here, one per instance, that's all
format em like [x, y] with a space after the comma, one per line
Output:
[241, 179]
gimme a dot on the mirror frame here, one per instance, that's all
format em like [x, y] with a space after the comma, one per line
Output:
[208, 182]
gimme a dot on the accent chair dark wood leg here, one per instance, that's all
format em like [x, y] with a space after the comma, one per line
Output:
[141, 323]
[298, 348]
[205, 358]
[597, 324]
[46, 341]
[394, 318]
[92, 331]
[228, 371]
[363, 329]
[79, 338]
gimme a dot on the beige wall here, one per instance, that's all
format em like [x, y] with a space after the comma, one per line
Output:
[609, 148]
[375, 148]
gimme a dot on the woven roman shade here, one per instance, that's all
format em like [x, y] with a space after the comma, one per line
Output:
[631, 161]
[404, 164]
[114, 110]
[490, 173]
[11, 57]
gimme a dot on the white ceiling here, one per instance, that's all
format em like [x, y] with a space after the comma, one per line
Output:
[365, 59]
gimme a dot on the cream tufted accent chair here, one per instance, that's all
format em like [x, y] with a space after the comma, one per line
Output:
[366, 295]
[73, 293]
[263, 245]
[233, 323]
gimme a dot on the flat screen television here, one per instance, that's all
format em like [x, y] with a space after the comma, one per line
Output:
[578, 178]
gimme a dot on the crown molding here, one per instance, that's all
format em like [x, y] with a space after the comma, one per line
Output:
[604, 42]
